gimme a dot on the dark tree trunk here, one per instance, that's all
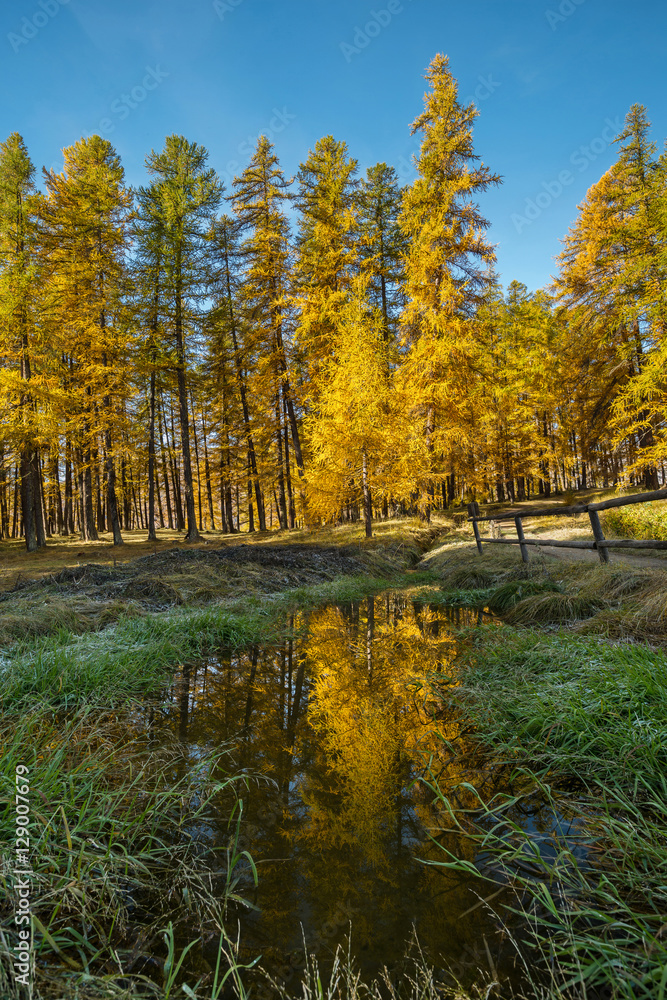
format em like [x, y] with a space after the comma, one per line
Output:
[288, 477]
[282, 508]
[246, 412]
[152, 536]
[112, 500]
[251, 518]
[207, 472]
[165, 474]
[368, 507]
[184, 417]
[28, 502]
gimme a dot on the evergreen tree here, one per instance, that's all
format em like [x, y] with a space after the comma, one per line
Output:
[187, 193]
[84, 231]
[447, 270]
[18, 333]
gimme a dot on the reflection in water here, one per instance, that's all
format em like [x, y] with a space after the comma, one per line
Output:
[341, 719]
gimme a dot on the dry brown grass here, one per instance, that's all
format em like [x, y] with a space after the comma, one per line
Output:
[406, 538]
[75, 589]
[47, 614]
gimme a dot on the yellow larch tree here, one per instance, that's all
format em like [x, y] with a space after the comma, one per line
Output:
[447, 270]
[83, 232]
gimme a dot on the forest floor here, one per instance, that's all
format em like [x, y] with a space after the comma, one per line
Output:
[86, 587]
[81, 587]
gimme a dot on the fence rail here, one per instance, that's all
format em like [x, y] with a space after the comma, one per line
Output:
[600, 543]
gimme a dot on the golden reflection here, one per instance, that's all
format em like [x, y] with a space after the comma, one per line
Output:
[340, 721]
[371, 709]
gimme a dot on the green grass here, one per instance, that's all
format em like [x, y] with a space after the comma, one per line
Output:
[111, 830]
[642, 520]
[137, 656]
[599, 710]
[562, 710]
[509, 594]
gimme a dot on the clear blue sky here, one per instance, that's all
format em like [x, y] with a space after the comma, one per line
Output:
[553, 80]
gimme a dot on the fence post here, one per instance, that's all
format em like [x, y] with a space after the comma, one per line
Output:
[522, 539]
[603, 551]
[473, 512]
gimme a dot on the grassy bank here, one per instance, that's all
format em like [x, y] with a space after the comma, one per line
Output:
[618, 601]
[115, 862]
[586, 721]
[137, 656]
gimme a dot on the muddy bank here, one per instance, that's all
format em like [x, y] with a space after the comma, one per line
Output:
[91, 596]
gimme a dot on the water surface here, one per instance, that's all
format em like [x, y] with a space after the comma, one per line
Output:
[342, 723]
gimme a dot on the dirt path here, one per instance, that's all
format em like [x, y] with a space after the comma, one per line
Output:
[591, 556]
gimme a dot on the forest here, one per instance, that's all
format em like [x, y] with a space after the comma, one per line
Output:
[324, 348]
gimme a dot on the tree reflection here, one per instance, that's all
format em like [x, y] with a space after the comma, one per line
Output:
[340, 716]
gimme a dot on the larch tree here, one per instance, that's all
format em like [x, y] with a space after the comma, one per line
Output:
[611, 281]
[84, 230]
[149, 253]
[382, 242]
[259, 197]
[18, 332]
[349, 424]
[327, 252]
[226, 326]
[188, 193]
[640, 236]
[446, 272]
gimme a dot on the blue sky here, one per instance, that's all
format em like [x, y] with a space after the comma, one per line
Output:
[553, 80]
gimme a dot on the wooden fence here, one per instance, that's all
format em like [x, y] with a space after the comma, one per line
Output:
[600, 543]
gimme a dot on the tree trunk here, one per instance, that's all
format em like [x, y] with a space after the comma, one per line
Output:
[112, 499]
[288, 475]
[28, 502]
[196, 444]
[246, 413]
[282, 508]
[175, 475]
[165, 474]
[4, 515]
[207, 472]
[368, 507]
[184, 418]
[251, 519]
